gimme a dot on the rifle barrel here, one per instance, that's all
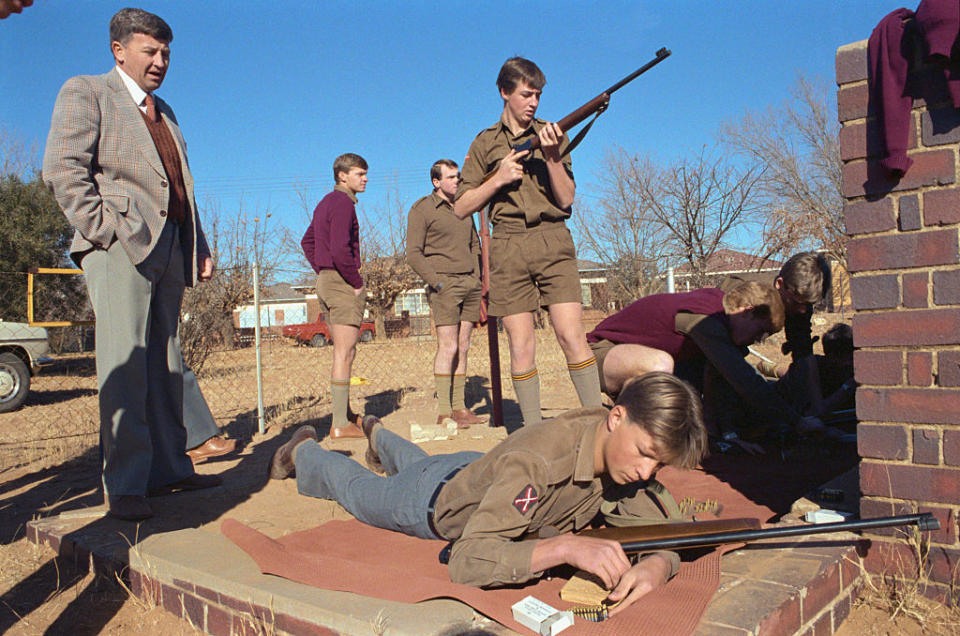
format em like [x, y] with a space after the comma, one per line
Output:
[924, 521]
[660, 56]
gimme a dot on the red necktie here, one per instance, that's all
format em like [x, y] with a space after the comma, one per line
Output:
[151, 108]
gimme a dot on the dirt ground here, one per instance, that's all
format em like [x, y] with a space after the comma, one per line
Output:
[50, 465]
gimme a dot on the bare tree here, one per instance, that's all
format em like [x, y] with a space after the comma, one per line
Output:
[238, 242]
[620, 231]
[700, 201]
[797, 146]
[385, 271]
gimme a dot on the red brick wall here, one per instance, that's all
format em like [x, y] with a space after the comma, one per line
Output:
[904, 257]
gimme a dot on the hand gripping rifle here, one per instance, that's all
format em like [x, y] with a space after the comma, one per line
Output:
[698, 534]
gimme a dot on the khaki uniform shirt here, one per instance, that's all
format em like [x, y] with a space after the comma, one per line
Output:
[439, 242]
[522, 203]
[539, 481]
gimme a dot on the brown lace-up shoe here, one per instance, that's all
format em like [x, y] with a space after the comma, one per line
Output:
[282, 466]
[465, 418]
[371, 457]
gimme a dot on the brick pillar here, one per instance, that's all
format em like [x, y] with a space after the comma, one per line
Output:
[905, 267]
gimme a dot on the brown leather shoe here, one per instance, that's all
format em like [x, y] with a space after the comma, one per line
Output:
[213, 447]
[196, 481]
[371, 457]
[441, 421]
[466, 417]
[129, 507]
[353, 430]
[282, 464]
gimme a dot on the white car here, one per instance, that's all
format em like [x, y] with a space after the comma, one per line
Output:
[23, 351]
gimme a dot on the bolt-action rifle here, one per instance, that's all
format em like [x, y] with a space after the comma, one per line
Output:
[595, 106]
[698, 534]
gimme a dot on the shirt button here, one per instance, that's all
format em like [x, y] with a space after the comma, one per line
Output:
[163, 184]
[163, 213]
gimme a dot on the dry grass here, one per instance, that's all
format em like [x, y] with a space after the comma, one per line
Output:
[896, 597]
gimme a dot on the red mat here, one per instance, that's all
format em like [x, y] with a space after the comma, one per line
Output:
[392, 566]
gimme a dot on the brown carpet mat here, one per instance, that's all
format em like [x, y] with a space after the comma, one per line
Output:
[352, 557]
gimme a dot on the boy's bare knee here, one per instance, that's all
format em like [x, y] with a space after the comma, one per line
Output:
[662, 361]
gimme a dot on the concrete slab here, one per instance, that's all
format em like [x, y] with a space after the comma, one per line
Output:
[804, 585]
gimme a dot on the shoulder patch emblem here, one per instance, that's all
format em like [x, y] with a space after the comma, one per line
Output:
[525, 501]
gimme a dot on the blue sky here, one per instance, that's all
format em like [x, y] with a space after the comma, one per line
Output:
[269, 93]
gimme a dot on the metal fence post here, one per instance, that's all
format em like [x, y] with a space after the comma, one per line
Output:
[261, 425]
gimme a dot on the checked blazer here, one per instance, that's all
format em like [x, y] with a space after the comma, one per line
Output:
[106, 174]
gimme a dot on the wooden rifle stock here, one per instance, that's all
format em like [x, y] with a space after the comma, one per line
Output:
[598, 103]
[698, 534]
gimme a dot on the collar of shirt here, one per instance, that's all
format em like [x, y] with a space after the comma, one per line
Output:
[584, 469]
[439, 200]
[137, 93]
[347, 191]
[533, 128]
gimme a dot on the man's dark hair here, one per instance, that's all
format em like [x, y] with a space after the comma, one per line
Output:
[517, 70]
[807, 276]
[670, 411]
[126, 22]
[436, 173]
[838, 340]
[345, 162]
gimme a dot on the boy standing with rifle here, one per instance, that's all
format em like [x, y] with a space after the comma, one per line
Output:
[533, 259]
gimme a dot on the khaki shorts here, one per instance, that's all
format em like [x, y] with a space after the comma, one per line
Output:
[600, 351]
[533, 269]
[459, 300]
[338, 300]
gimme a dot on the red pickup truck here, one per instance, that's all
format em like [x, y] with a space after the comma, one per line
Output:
[317, 333]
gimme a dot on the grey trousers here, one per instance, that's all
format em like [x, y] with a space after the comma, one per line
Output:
[197, 417]
[139, 365]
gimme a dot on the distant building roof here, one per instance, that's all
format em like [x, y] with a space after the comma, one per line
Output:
[731, 261]
[281, 291]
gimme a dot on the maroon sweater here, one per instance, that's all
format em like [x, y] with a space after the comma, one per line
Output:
[889, 51]
[651, 321]
[333, 239]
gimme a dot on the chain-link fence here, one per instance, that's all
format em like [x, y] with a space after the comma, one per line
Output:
[59, 417]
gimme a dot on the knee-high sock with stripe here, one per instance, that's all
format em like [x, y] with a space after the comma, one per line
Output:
[586, 380]
[527, 387]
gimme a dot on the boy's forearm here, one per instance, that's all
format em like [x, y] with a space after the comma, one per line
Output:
[562, 185]
[474, 199]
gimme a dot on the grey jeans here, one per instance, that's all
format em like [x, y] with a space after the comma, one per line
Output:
[397, 502]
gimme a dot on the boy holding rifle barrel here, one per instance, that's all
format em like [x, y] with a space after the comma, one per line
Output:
[533, 259]
[509, 514]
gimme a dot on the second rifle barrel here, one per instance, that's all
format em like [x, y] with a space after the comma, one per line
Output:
[924, 521]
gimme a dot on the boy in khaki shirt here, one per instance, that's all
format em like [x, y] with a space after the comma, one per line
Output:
[533, 262]
[545, 480]
[443, 249]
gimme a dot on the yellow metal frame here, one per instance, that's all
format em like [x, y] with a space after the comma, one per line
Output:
[52, 323]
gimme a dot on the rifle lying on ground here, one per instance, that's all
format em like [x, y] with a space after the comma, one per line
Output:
[698, 534]
[595, 106]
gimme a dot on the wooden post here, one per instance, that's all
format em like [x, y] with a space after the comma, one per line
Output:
[492, 336]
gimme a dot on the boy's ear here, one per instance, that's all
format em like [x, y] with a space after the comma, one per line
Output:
[778, 283]
[341, 176]
[615, 417]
